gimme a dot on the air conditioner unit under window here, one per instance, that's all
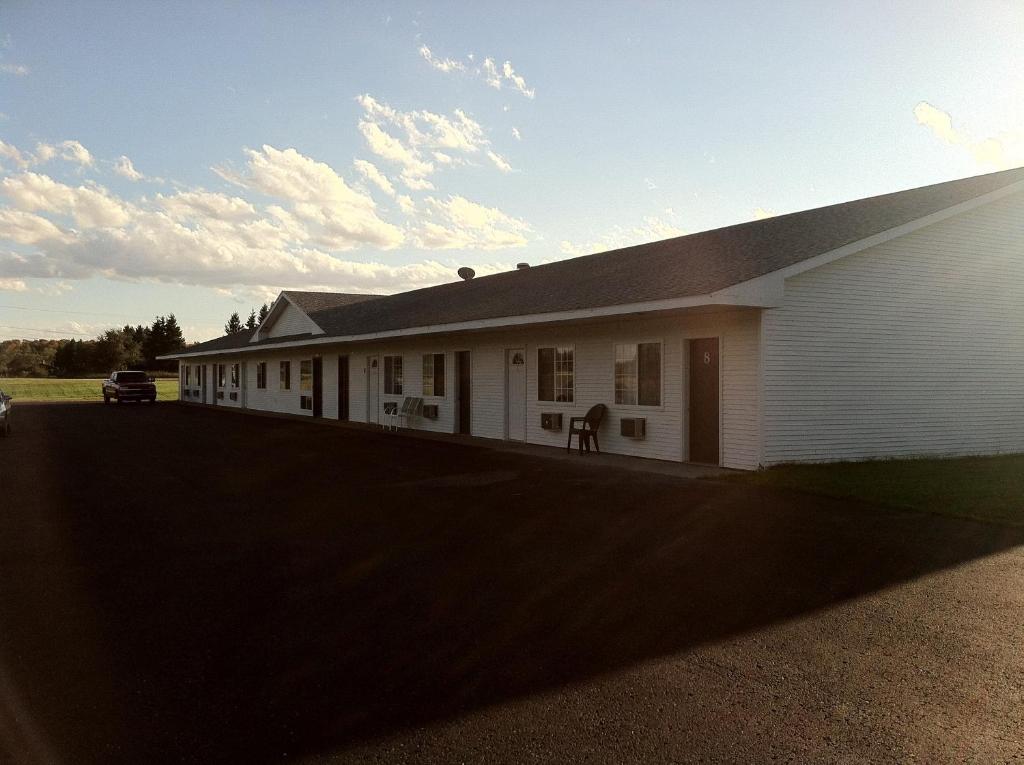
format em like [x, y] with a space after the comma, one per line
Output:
[430, 411]
[633, 427]
[551, 420]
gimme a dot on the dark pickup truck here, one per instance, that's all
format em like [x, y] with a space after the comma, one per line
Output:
[129, 386]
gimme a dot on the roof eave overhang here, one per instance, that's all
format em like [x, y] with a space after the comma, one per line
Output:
[760, 293]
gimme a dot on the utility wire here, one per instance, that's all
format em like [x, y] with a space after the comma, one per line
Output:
[54, 310]
[50, 331]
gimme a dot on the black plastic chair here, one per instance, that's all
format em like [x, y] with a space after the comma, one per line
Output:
[586, 428]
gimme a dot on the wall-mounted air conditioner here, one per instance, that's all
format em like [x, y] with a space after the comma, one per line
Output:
[633, 427]
[220, 394]
[233, 395]
[430, 411]
[551, 420]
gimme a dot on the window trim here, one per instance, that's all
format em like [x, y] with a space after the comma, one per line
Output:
[554, 345]
[433, 370]
[385, 358]
[641, 407]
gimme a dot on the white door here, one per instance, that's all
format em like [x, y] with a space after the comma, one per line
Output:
[372, 389]
[515, 394]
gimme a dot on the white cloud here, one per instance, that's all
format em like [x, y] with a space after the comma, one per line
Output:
[204, 205]
[406, 205]
[370, 172]
[420, 141]
[19, 70]
[124, 167]
[13, 155]
[73, 151]
[392, 149]
[1002, 151]
[60, 233]
[652, 229]
[44, 153]
[13, 285]
[69, 151]
[27, 228]
[91, 206]
[442, 65]
[499, 161]
[516, 134]
[491, 74]
[347, 217]
[518, 83]
[760, 213]
[459, 223]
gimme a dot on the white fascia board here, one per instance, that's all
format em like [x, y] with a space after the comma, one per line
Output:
[763, 295]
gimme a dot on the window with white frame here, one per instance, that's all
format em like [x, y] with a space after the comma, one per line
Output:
[556, 374]
[306, 384]
[638, 374]
[433, 374]
[261, 374]
[393, 375]
[234, 375]
[220, 376]
[286, 375]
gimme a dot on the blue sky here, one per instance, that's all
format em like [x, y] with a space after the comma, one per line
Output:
[197, 158]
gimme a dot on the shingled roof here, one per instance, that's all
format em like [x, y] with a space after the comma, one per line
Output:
[685, 266]
[311, 302]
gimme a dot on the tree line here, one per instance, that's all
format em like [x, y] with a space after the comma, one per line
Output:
[125, 348]
[235, 324]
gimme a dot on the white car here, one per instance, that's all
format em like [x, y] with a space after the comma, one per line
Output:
[5, 414]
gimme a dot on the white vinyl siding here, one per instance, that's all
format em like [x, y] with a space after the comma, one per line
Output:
[593, 348]
[290, 321]
[914, 347]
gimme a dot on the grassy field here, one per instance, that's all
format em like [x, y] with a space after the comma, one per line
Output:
[983, 488]
[58, 389]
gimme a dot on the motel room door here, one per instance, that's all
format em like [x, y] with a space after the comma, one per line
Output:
[372, 389]
[201, 371]
[318, 386]
[704, 400]
[464, 392]
[343, 388]
[515, 394]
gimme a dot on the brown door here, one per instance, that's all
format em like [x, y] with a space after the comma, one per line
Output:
[318, 386]
[704, 400]
[465, 392]
[342, 387]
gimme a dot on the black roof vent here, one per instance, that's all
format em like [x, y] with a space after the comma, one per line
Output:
[467, 273]
[522, 266]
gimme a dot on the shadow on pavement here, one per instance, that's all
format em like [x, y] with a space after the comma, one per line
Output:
[187, 585]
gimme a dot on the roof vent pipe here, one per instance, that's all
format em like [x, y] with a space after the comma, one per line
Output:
[522, 266]
[466, 273]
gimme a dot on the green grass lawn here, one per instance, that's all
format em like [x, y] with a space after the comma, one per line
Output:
[983, 488]
[58, 389]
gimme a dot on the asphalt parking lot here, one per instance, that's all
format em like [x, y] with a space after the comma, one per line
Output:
[182, 584]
